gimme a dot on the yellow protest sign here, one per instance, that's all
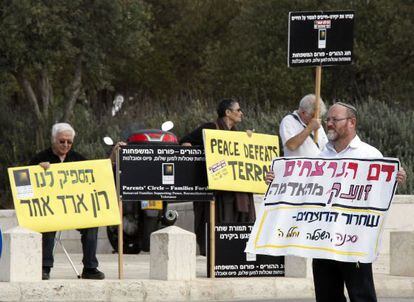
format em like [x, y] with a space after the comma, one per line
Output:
[66, 196]
[238, 162]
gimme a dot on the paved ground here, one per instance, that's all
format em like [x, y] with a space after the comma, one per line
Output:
[136, 285]
[135, 266]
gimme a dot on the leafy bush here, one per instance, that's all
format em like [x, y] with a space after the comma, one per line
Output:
[388, 128]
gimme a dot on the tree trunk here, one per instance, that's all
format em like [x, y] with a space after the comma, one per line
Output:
[29, 92]
[25, 85]
[45, 92]
[73, 90]
[40, 136]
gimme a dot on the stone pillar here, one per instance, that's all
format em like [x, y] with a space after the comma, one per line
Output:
[8, 220]
[173, 254]
[298, 267]
[402, 253]
[21, 258]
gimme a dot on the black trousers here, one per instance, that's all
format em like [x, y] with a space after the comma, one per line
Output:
[89, 239]
[330, 276]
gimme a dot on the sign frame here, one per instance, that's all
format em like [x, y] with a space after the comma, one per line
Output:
[172, 173]
[320, 38]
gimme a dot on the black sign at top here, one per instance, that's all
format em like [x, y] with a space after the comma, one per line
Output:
[320, 38]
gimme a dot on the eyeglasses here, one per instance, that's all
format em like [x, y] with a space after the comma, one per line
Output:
[63, 141]
[335, 120]
[238, 109]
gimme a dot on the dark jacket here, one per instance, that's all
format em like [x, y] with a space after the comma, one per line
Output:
[48, 156]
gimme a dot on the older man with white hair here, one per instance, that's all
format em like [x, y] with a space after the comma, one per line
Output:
[61, 151]
[297, 129]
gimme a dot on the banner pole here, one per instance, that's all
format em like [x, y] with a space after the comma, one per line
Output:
[120, 227]
[317, 97]
[212, 238]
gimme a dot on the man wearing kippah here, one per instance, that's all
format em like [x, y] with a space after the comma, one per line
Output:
[330, 276]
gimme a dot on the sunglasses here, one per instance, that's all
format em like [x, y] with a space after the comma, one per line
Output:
[63, 141]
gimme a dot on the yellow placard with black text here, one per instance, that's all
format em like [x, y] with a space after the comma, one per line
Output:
[71, 195]
[238, 162]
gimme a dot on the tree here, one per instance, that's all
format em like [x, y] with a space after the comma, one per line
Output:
[54, 48]
[251, 60]
[182, 32]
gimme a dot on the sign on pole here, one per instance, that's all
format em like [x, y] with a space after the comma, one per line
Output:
[154, 172]
[66, 196]
[320, 38]
[325, 208]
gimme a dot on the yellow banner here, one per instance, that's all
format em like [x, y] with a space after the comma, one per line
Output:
[238, 162]
[66, 196]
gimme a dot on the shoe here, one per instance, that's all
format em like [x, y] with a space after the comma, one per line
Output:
[92, 273]
[45, 273]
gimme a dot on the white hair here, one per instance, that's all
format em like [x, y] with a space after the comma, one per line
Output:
[307, 104]
[61, 127]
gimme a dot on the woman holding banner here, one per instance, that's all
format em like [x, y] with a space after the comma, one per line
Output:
[230, 206]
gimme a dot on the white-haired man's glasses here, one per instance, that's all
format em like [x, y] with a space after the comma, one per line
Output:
[65, 141]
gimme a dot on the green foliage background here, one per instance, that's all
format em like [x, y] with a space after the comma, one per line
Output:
[174, 59]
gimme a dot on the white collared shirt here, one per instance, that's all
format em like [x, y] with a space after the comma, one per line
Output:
[355, 149]
[290, 127]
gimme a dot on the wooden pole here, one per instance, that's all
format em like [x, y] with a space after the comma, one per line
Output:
[212, 252]
[120, 227]
[317, 97]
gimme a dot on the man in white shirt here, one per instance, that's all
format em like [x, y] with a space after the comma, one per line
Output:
[297, 129]
[330, 276]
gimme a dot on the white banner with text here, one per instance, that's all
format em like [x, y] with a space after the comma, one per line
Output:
[325, 208]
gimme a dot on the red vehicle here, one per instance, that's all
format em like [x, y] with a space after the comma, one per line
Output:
[143, 217]
[152, 136]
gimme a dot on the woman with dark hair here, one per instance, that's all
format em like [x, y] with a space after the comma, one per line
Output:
[230, 206]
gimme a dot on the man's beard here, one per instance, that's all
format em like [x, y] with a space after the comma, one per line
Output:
[332, 135]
